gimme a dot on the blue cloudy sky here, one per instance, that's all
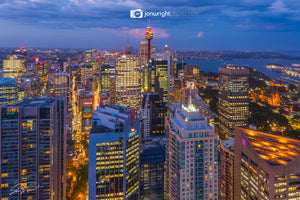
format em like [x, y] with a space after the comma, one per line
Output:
[215, 24]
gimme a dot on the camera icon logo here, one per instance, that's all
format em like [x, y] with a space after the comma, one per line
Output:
[137, 13]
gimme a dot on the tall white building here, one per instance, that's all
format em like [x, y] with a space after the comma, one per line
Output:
[192, 155]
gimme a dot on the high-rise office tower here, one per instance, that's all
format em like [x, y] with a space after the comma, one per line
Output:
[128, 80]
[192, 155]
[62, 85]
[152, 169]
[266, 166]
[21, 53]
[226, 169]
[14, 67]
[28, 87]
[233, 100]
[8, 91]
[152, 116]
[192, 73]
[114, 154]
[152, 148]
[143, 53]
[88, 55]
[86, 104]
[162, 63]
[41, 70]
[33, 149]
[86, 71]
[106, 72]
[112, 90]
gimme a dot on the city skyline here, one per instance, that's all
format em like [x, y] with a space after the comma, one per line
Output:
[149, 100]
[230, 25]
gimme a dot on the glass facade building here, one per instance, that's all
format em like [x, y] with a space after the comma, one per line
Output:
[8, 91]
[106, 73]
[62, 85]
[14, 66]
[114, 154]
[33, 149]
[233, 100]
[128, 81]
[152, 115]
[152, 168]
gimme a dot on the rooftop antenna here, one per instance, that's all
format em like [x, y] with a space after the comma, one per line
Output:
[128, 37]
[182, 62]
[149, 23]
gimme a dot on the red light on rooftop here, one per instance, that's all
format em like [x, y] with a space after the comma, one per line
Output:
[21, 47]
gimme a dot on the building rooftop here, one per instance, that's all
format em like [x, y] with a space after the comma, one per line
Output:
[101, 129]
[37, 102]
[110, 119]
[228, 143]
[5, 81]
[274, 149]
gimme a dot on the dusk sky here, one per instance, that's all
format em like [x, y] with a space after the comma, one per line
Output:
[214, 24]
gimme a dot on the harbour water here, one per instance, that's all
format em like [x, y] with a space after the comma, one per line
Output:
[258, 64]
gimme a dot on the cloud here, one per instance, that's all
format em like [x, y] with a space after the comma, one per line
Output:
[114, 14]
[279, 7]
[200, 35]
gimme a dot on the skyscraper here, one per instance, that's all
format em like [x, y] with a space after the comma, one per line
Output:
[233, 100]
[33, 149]
[266, 166]
[62, 85]
[152, 169]
[86, 71]
[114, 154]
[128, 80]
[8, 91]
[152, 147]
[191, 91]
[106, 72]
[14, 67]
[143, 53]
[86, 105]
[192, 155]
[226, 170]
[162, 63]
[192, 73]
[152, 115]
[21, 53]
[112, 90]
[88, 55]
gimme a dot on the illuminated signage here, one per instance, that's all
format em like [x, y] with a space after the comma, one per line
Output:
[244, 142]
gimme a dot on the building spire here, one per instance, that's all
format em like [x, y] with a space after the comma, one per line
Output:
[128, 37]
